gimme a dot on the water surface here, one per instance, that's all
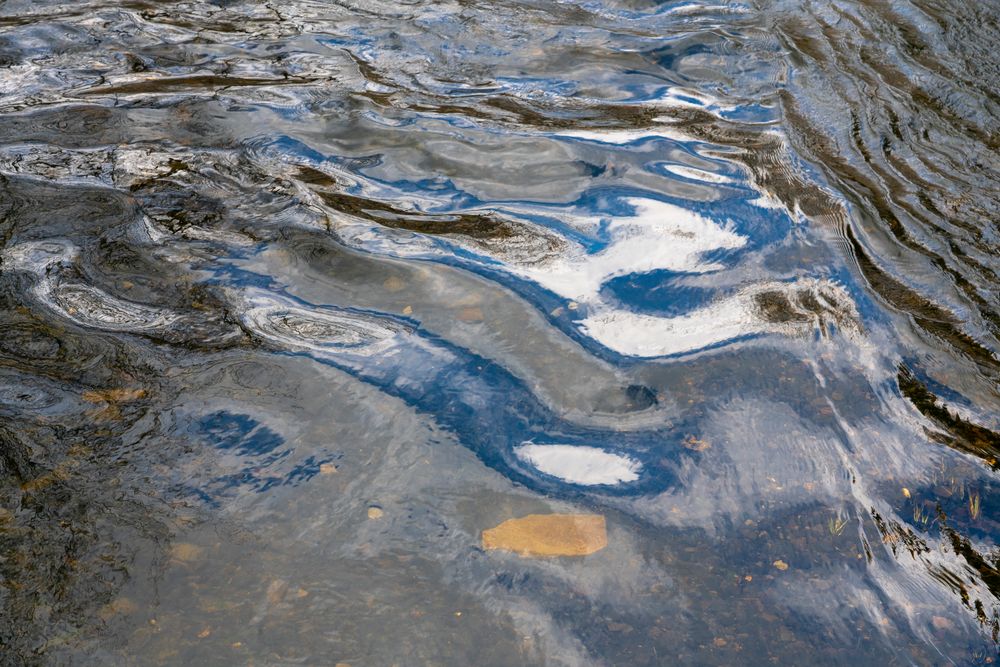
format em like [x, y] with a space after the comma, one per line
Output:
[300, 298]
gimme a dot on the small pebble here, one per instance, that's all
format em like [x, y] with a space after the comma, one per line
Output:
[185, 552]
[471, 314]
[393, 284]
[941, 623]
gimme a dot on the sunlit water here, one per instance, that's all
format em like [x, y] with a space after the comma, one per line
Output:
[299, 298]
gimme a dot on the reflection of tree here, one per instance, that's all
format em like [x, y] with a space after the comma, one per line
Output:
[957, 433]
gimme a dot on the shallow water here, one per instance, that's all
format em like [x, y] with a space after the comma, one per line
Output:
[300, 298]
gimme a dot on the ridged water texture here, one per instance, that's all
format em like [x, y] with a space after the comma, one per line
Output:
[319, 318]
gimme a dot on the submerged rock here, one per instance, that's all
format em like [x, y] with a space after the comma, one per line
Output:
[185, 552]
[549, 535]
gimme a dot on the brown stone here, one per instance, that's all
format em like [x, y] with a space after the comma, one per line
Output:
[185, 552]
[276, 591]
[549, 535]
[394, 284]
[941, 623]
[471, 314]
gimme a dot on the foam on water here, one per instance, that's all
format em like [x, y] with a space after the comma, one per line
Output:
[38, 256]
[81, 303]
[318, 330]
[92, 307]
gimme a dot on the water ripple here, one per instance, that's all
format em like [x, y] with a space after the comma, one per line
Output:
[300, 298]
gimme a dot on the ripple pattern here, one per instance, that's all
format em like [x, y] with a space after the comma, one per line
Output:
[298, 299]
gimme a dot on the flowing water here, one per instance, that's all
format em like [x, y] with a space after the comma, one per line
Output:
[299, 298]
